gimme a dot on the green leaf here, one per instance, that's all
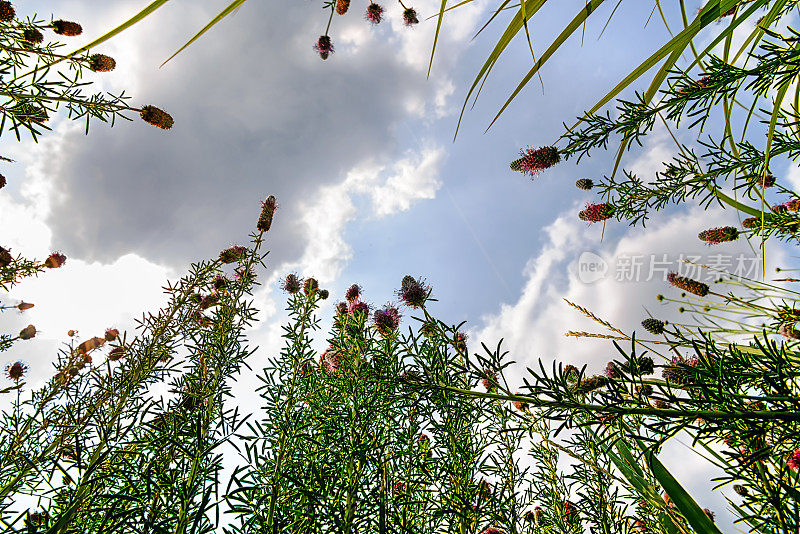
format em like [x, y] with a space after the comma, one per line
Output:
[222, 14]
[436, 35]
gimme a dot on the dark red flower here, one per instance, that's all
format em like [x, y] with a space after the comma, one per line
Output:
[596, 212]
[413, 292]
[342, 6]
[55, 260]
[687, 284]
[794, 460]
[374, 12]
[410, 16]
[267, 211]
[310, 286]
[353, 293]
[101, 63]
[330, 361]
[570, 512]
[324, 46]
[232, 254]
[387, 320]
[359, 309]
[111, 334]
[28, 332]
[715, 236]
[15, 371]
[291, 284]
[6, 11]
[534, 161]
[32, 36]
[519, 405]
[157, 117]
[66, 28]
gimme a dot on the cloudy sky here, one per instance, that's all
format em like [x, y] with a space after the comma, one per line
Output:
[359, 152]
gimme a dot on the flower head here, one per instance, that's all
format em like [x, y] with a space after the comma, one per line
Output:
[2, 181]
[359, 309]
[662, 404]
[793, 205]
[341, 308]
[32, 36]
[330, 361]
[519, 405]
[111, 334]
[66, 28]
[116, 353]
[534, 161]
[342, 6]
[387, 319]
[584, 184]
[678, 371]
[157, 117]
[310, 286]
[596, 212]
[715, 236]
[489, 380]
[5, 257]
[55, 260]
[645, 390]
[374, 12]
[410, 16]
[265, 218]
[413, 292]
[687, 284]
[612, 370]
[654, 326]
[101, 63]
[492, 530]
[220, 282]
[353, 293]
[570, 511]
[22, 306]
[291, 284]
[571, 373]
[460, 342]
[6, 11]
[764, 180]
[232, 254]
[591, 383]
[794, 460]
[15, 371]
[28, 332]
[741, 490]
[324, 46]
[323, 294]
[789, 332]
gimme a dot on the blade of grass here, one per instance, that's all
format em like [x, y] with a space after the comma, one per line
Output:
[436, 35]
[222, 14]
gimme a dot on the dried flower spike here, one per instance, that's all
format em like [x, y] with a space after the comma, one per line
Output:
[66, 28]
[22, 306]
[534, 161]
[28, 332]
[594, 213]
[232, 254]
[387, 320]
[715, 236]
[267, 211]
[55, 260]
[6, 11]
[654, 326]
[291, 284]
[101, 63]
[410, 16]
[342, 6]
[324, 46]
[32, 36]
[157, 117]
[374, 12]
[15, 371]
[413, 292]
[584, 184]
[687, 284]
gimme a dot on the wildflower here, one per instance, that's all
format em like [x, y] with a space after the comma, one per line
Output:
[342, 6]
[645, 390]
[687, 284]
[232, 254]
[220, 282]
[789, 332]
[72, 333]
[330, 361]
[28, 332]
[116, 353]
[489, 381]
[265, 218]
[765, 180]
[660, 297]
[341, 308]
[570, 512]
[15, 371]
[645, 365]
[310, 286]
[413, 292]
[793, 205]
[715, 236]
[794, 460]
[519, 405]
[571, 373]
[374, 12]
[780, 208]
[534, 161]
[596, 212]
[157, 117]
[6, 12]
[484, 489]
[55, 260]
[66, 28]
[460, 342]
[111, 334]
[324, 294]
[538, 515]
[677, 372]
[612, 371]
[387, 320]
[751, 222]
[291, 284]
[90, 344]
[207, 301]
[741, 490]
[22, 306]
[2, 181]
[654, 326]
[410, 16]
[32, 36]
[324, 46]
[101, 63]
[591, 383]
[492, 530]
[424, 441]
[584, 183]
[529, 517]
[353, 293]
[5, 257]
[359, 308]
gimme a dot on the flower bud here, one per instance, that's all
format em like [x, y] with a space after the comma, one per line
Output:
[157, 117]
[267, 210]
[342, 6]
[687, 284]
[28, 332]
[410, 17]
[6, 11]
[32, 36]
[66, 28]
[584, 184]
[111, 334]
[654, 326]
[101, 63]
[22, 306]
[55, 260]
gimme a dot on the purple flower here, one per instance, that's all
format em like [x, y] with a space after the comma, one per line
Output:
[594, 213]
[291, 284]
[534, 161]
[387, 320]
[359, 308]
[324, 46]
[715, 236]
[413, 292]
[353, 293]
[794, 460]
[374, 12]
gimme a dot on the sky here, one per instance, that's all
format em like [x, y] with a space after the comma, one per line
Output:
[371, 186]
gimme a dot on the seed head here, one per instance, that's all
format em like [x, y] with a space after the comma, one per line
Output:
[387, 320]
[662, 404]
[15, 371]
[741, 490]
[101, 63]
[90, 344]
[310, 286]
[654, 326]
[596, 212]
[529, 516]
[66, 28]
[715, 236]
[112, 334]
[291, 284]
[116, 353]
[538, 515]
[353, 293]
[410, 17]
[32, 36]
[5, 257]
[324, 46]
[374, 12]
[687, 284]
[55, 260]
[534, 161]
[789, 332]
[645, 365]
[28, 332]
[6, 12]
[341, 308]
[22, 306]
[232, 254]
[157, 117]
[584, 183]
[519, 405]
[413, 292]
[265, 218]
[324, 294]
[342, 6]
[220, 282]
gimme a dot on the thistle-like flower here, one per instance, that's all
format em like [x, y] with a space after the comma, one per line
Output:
[584, 183]
[116, 353]
[571, 373]
[310, 286]
[594, 213]
[387, 319]
[232, 254]
[677, 372]
[330, 361]
[687, 284]
[2, 181]
[751, 222]
[519, 405]
[66, 28]
[267, 211]
[220, 282]
[489, 380]
[459, 341]
[410, 16]
[353, 293]
[645, 390]
[612, 370]
[741, 490]
[101, 63]
[32, 36]
[324, 294]
[28, 332]
[15, 371]
[6, 11]
[715, 236]
[374, 12]
[157, 117]
[55, 260]
[765, 180]
[413, 292]
[324, 46]
[793, 205]
[342, 6]
[534, 161]
[111, 334]
[492, 530]
[570, 512]
[654, 326]
[358, 309]
[291, 284]
[5, 257]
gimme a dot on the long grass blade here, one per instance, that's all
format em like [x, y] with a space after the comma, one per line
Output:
[222, 14]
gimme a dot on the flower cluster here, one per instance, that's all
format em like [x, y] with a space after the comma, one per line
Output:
[714, 236]
[534, 161]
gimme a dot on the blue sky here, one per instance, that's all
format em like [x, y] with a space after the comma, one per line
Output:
[358, 150]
